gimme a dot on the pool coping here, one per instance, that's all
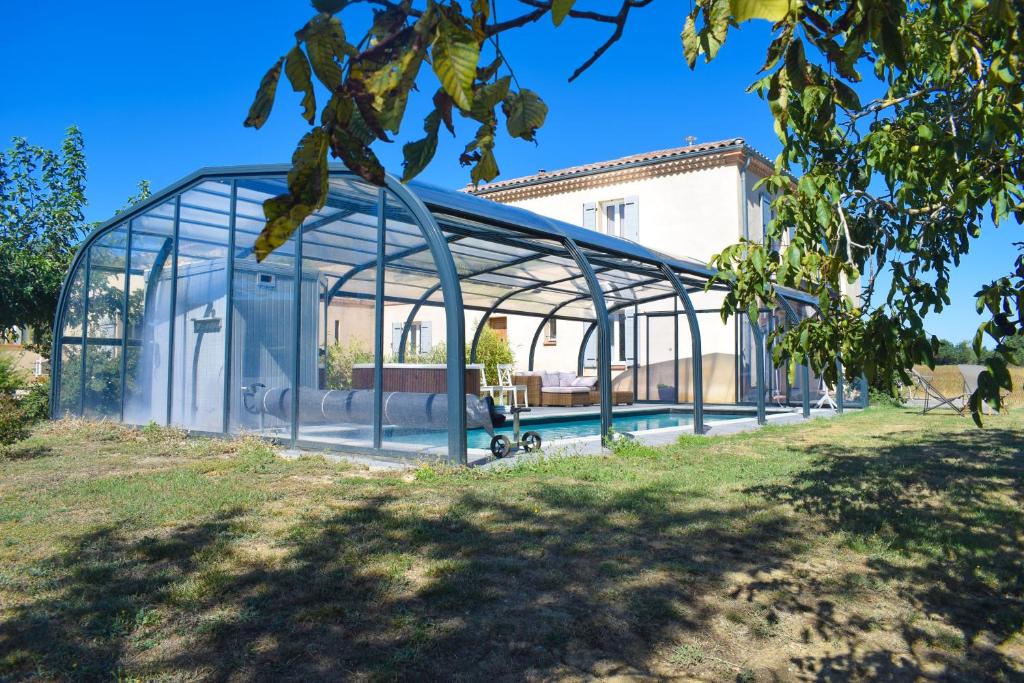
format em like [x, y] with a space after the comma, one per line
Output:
[591, 445]
[582, 445]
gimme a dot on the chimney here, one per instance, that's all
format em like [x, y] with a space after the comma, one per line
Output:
[690, 140]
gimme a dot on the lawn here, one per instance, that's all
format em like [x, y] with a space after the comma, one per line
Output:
[882, 544]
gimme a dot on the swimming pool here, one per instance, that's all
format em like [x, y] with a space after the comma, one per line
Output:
[557, 428]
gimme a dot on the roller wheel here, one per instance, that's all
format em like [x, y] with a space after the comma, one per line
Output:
[500, 446]
[531, 441]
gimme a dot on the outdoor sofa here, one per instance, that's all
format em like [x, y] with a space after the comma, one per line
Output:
[566, 389]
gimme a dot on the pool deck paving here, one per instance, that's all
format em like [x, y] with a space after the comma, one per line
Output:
[589, 445]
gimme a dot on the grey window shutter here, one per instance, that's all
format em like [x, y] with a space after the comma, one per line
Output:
[425, 341]
[629, 336]
[590, 216]
[631, 221]
[590, 355]
[396, 338]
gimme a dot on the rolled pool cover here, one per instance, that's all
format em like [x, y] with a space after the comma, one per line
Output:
[341, 406]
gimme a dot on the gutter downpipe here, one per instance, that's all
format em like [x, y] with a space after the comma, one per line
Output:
[744, 218]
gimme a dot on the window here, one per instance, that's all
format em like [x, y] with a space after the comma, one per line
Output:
[551, 333]
[622, 339]
[766, 217]
[499, 324]
[613, 218]
[336, 331]
[417, 341]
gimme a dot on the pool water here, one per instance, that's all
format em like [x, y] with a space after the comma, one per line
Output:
[552, 429]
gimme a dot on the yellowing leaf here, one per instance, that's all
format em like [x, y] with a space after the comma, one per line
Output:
[691, 43]
[296, 67]
[264, 100]
[456, 54]
[772, 10]
[307, 192]
[325, 42]
[560, 10]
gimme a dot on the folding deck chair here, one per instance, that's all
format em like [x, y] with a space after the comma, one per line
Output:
[957, 402]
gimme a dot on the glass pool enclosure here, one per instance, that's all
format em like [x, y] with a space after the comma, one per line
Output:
[340, 339]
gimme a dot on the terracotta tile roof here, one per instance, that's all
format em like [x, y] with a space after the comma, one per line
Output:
[613, 164]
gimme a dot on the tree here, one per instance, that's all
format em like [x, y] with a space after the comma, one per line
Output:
[42, 197]
[948, 353]
[42, 220]
[899, 184]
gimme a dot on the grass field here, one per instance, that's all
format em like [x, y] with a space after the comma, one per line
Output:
[883, 544]
[948, 380]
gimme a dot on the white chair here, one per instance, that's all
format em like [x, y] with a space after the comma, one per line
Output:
[505, 387]
[826, 396]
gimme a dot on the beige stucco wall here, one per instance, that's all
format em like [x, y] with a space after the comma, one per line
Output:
[691, 214]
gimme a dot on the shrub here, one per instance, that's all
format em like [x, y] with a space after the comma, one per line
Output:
[341, 358]
[884, 399]
[12, 377]
[36, 404]
[14, 426]
[492, 351]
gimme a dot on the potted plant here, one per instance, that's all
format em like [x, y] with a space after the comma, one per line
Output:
[666, 393]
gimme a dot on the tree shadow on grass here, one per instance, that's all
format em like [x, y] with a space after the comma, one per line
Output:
[539, 581]
[940, 519]
[25, 452]
[569, 581]
[92, 597]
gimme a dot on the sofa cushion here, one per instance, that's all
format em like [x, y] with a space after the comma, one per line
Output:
[566, 390]
[566, 379]
[549, 379]
[588, 382]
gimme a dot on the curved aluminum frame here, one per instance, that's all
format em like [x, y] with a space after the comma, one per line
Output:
[805, 371]
[422, 201]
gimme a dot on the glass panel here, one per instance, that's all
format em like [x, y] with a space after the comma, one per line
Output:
[660, 369]
[69, 389]
[718, 349]
[415, 418]
[149, 308]
[197, 375]
[105, 325]
[337, 342]
[262, 335]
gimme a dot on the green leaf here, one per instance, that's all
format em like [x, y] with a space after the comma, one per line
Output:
[296, 67]
[350, 137]
[259, 112]
[329, 6]
[560, 10]
[524, 113]
[487, 97]
[846, 96]
[307, 192]
[486, 169]
[796, 65]
[419, 153]
[456, 54]
[892, 42]
[357, 155]
[772, 10]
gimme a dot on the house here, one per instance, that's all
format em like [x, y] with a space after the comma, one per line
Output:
[688, 202]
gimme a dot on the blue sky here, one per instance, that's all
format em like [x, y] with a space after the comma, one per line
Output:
[160, 90]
